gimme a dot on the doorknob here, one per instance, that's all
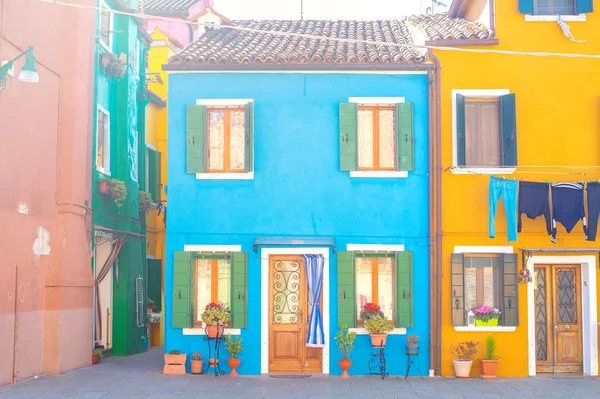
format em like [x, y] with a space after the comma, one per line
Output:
[567, 327]
[300, 320]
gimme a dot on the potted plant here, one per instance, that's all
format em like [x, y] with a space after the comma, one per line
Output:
[345, 343]
[114, 67]
[489, 364]
[103, 186]
[234, 347]
[412, 345]
[174, 362]
[118, 192]
[151, 305]
[463, 352]
[145, 201]
[96, 356]
[216, 316]
[486, 316]
[197, 363]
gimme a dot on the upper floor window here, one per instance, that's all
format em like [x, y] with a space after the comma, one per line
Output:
[377, 137]
[103, 141]
[226, 139]
[554, 7]
[485, 128]
[106, 26]
[536, 9]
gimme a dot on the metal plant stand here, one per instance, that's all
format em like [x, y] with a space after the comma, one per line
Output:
[410, 361]
[377, 361]
[214, 344]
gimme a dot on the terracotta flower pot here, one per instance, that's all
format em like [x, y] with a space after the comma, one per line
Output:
[462, 368]
[197, 366]
[95, 358]
[378, 339]
[488, 369]
[345, 365]
[234, 363]
[212, 331]
[103, 187]
[174, 364]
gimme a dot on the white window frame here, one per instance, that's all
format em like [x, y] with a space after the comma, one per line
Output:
[382, 248]
[554, 18]
[111, 23]
[227, 102]
[106, 161]
[377, 173]
[484, 250]
[211, 248]
[459, 170]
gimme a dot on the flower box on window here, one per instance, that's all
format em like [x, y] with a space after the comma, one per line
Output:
[113, 66]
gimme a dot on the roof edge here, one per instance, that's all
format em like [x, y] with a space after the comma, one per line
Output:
[191, 67]
[462, 42]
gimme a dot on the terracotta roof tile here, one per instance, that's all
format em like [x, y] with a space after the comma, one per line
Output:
[441, 27]
[170, 6]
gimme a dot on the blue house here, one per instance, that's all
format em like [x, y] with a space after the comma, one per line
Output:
[298, 185]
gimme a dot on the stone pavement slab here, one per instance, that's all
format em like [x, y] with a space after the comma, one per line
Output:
[141, 377]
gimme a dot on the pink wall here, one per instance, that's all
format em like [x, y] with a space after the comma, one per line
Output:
[45, 169]
[179, 30]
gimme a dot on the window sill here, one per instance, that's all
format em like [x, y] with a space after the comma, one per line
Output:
[379, 174]
[363, 331]
[103, 171]
[554, 18]
[202, 331]
[225, 176]
[482, 171]
[485, 329]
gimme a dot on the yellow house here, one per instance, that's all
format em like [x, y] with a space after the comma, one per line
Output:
[163, 47]
[504, 122]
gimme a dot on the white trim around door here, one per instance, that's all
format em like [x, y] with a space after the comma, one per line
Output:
[588, 310]
[264, 301]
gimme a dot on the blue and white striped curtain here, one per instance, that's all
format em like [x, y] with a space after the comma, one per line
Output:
[313, 264]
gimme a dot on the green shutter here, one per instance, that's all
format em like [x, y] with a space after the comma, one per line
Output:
[155, 282]
[404, 291]
[154, 175]
[348, 136]
[196, 139]
[346, 295]
[183, 276]
[157, 180]
[239, 290]
[510, 311]
[458, 299]
[508, 127]
[461, 131]
[405, 136]
[249, 144]
[584, 6]
[526, 6]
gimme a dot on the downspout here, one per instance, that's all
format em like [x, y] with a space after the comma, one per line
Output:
[438, 214]
[431, 224]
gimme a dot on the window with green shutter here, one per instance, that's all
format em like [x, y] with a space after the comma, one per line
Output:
[220, 139]
[376, 137]
[153, 174]
[219, 277]
[486, 129]
[555, 7]
[485, 280]
[155, 282]
[383, 278]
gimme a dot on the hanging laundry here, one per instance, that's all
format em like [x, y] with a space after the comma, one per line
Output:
[593, 196]
[534, 202]
[567, 206]
[508, 190]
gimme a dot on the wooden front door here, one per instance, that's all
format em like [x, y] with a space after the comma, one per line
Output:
[557, 292]
[288, 317]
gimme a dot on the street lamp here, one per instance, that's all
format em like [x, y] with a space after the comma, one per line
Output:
[28, 73]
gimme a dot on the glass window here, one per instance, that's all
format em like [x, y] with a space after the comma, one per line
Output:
[482, 279]
[105, 26]
[377, 137]
[554, 7]
[482, 125]
[103, 142]
[226, 139]
[212, 284]
[375, 283]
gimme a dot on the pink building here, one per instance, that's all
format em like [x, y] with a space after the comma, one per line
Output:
[180, 9]
[45, 273]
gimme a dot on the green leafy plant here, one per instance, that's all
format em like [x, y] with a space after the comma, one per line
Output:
[196, 356]
[378, 325]
[145, 201]
[465, 350]
[175, 352]
[345, 341]
[233, 345]
[114, 67]
[215, 314]
[490, 348]
[97, 352]
[412, 339]
[118, 192]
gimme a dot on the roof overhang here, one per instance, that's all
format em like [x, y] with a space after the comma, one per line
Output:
[462, 42]
[191, 67]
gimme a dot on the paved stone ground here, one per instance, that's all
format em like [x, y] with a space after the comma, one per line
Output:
[141, 377]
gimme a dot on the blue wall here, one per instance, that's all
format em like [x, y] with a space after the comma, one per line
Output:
[298, 190]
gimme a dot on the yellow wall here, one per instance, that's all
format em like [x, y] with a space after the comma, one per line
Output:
[156, 135]
[558, 103]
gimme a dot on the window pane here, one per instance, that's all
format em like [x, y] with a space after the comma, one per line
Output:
[365, 138]
[482, 278]
[386, 286]
[216, 137]
[105, 27]
[203, 278]
[363, 284]
[387, 138]
[286, 291]
[237, 137]
[100, 140]
[553, 7]
[482, 125]
[224, 290]
[470, 288]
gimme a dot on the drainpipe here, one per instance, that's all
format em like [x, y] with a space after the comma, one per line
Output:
[431, 223]
[438, 215]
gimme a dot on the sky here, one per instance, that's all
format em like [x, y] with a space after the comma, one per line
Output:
[323, 9]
